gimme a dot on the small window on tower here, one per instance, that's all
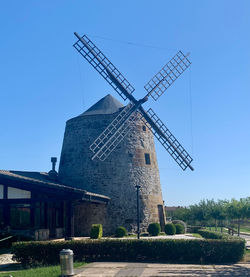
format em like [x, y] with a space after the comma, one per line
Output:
[144, 128]
[147, 158]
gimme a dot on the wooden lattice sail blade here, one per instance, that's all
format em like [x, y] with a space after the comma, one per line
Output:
[114, 133]
[104, 66]
[167, 75]
[167, 139]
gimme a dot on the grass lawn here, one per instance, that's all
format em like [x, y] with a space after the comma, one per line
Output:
[197, 235]
[48, 271]
[224, 230]
[245, 229]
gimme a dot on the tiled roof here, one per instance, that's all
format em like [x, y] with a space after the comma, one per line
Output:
[107, 105]
[43, 179]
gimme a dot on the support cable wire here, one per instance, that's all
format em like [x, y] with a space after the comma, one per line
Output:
[191, 111]
[135, 44]
[82, 81]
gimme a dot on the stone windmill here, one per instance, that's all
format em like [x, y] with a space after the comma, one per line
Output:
[110, 148]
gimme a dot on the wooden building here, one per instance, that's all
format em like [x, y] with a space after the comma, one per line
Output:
[37, 205]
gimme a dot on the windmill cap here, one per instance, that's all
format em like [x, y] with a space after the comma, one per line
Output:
[106, 105]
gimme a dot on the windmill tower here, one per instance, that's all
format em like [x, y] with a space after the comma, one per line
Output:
[109, 149]
[133, 162]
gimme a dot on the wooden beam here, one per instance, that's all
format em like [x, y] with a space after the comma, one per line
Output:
[70, 232]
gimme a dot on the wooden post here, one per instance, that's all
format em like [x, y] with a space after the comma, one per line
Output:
[70, 221]
[6, 208]
[32, 214]
[6, 215]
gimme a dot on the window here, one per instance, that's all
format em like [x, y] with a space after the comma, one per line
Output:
[14, 193]
[147, 158]
[19, 216]
[1, 191]
[144, 128]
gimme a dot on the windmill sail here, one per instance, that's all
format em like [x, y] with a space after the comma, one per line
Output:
[124, 122]
[167, 75]
[166, 138]
[114, 133]
[104, 66]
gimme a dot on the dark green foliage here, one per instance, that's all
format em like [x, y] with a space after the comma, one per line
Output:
[154, 229]
[182, 223]
[96, 231]
[179, 228]
[120, 232]
[131, 250]
[215, 213]
[215, 235]
[170, 229]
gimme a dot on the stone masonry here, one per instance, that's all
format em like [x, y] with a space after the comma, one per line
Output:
[132, 163]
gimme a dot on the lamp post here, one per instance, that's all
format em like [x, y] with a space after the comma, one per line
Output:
[138, 211]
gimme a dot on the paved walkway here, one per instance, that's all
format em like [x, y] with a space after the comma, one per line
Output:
[6, 261]
[154, 270]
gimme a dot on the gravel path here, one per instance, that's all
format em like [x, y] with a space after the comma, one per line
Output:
[6, 261]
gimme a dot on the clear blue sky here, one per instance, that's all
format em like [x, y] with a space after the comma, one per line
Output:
[44, 82]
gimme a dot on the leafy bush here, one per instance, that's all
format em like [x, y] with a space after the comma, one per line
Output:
[131, 250]
[154, 229]
[179, 228]
[120, 232]
[96, 231]
[215, 235]
[170, 229]
[177, 221]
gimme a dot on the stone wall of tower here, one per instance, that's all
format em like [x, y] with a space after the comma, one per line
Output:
[115, 177]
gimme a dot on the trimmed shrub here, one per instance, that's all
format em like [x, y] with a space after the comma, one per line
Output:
[120, 232]
[96, 231]
[215, 235]
[170, 229]
[154, 229]
[179, 228]
[131, 250]
[177, 221]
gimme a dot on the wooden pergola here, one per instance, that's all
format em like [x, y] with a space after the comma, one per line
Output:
[34, 201]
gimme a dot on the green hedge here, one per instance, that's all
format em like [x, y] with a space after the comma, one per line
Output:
[154, 229]
[170, 229]
[215, 235]
[179, 228]
[120, 232]
[96, 231]
[160, 250]
[177, 221]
